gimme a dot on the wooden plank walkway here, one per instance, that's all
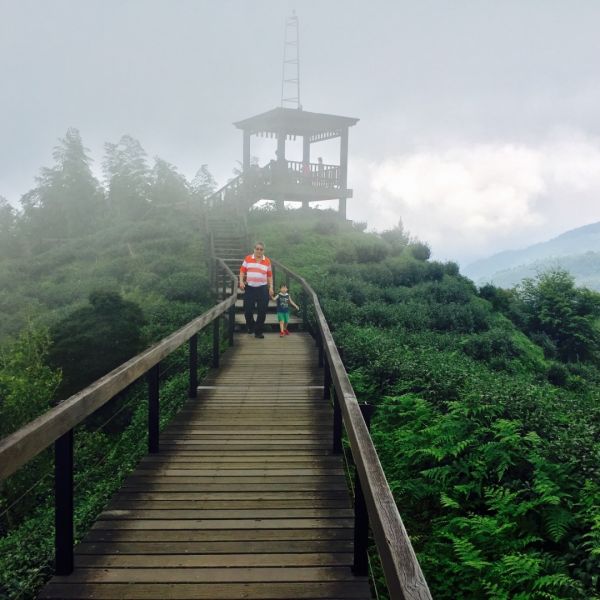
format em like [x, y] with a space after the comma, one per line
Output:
[245, 499]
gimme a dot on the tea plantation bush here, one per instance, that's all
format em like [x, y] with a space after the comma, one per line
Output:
[488, 412]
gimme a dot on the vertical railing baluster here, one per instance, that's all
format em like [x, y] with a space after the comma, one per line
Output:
[361, 515]
[193, 363]
[337, 425]
[224, 284]
[304, 311]
[152, 377]
[216, 342]
[320, 345]
[326, 380]
[231, 324]
[63, 500]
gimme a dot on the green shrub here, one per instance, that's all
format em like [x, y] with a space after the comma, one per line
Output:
[456, 290]
[452, 269]
[461, 318]
[494, 344]
[95, 339]
[435, 271]
[186, 287]
[420, 250]
[406, 271]
[326, 227]
[499, 298]
[558, 374]
[376, 273]
[368, 250]
[377, 313]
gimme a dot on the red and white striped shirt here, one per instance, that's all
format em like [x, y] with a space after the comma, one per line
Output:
[256, 271]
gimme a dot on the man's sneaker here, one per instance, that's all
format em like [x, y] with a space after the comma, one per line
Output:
[287, 332]
[281, 334]
[259, 336]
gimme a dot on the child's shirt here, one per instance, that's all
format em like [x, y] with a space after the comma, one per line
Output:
[283, 301]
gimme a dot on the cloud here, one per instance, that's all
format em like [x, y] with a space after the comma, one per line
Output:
[472, 199]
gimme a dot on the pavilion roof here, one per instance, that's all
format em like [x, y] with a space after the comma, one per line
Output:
[294, 121]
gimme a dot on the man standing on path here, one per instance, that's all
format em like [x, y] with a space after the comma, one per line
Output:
[256, 279]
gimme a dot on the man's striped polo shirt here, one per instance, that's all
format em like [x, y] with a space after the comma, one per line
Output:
[256, 271]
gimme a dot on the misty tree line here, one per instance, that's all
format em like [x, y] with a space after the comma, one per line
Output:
[69, 201]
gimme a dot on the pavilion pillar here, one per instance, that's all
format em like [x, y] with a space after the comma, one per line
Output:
[343, 170]
[306, 164]
[281, 166]
[246, 151]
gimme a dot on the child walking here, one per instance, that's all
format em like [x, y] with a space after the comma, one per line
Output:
[283, 310]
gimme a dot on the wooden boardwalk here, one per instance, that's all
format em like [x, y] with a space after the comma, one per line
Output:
[245, 499]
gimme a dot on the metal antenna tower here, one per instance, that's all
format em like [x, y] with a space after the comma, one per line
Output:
[290, 78]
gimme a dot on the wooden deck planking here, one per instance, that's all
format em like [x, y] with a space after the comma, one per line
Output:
[244, 500]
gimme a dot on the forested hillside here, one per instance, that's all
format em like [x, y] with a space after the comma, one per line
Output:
[488, 409]
[576, 251]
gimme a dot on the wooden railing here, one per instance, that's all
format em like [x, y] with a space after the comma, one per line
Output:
[374, 503]
[317, 175]
[246, 188]
[228, 194]
[56, 425]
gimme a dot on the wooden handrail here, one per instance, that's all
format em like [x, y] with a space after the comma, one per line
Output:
[403, 574]
[26, 443]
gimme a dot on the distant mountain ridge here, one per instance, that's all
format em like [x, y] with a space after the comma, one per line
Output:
[576, 250]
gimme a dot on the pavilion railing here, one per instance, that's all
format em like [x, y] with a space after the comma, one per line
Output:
[245, 189]
[317, 175]
[374, 503]
[57, 424]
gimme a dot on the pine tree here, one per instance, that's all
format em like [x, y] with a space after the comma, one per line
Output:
[128, 178]
[8, 223]
[203, 184]
[168, 186]
[67, 201]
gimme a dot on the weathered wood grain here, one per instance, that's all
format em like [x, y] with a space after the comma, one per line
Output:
[244, 499]
[333, 590]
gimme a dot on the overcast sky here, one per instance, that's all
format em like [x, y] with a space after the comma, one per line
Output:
[479, 120]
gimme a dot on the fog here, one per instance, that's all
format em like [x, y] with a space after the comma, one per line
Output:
[479, 123]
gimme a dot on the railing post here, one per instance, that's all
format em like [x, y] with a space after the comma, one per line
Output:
[304, 312]
[63, 503]
[193, 390]
[231, 323]
[216, 276]
[224, 284]
[216, 342]
[153, 408]
[337, 425]
[361, 515]
[326, 380]
[320, 345]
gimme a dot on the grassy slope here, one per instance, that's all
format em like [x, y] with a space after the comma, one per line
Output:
[149, 262]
